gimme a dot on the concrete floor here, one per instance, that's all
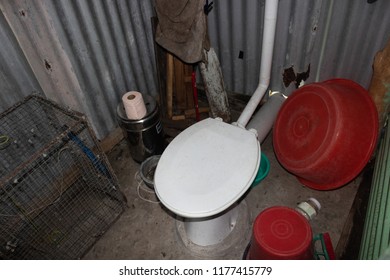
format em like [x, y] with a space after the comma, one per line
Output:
[147, 230]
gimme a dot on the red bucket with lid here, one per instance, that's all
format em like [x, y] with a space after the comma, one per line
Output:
[281, 233]
[326, 132]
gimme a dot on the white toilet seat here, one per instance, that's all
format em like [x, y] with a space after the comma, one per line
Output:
[207, 168]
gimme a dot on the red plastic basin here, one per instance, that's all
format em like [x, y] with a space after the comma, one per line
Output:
[281, 233]
[326, 132]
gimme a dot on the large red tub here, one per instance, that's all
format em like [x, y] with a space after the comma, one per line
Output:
[325, 133]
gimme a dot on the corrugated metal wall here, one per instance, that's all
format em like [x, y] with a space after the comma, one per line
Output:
[83, 54]
[86, 54]
[337, 39]
[376, 232]
[16, 77]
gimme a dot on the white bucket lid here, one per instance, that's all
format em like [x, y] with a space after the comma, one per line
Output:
[207, 168]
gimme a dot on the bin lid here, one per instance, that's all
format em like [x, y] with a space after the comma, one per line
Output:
[149, 120]
[150, 104]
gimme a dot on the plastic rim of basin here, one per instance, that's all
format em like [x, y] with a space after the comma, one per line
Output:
[147, 170]
[263, 170]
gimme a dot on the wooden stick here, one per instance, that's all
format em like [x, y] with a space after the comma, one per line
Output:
[169, 85]
[192, 112]
[179, 86]
[178, 117]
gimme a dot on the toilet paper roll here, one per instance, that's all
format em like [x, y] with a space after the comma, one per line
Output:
[134, 105]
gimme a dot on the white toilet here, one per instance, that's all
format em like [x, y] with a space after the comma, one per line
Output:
[206, 169]
[203, 172]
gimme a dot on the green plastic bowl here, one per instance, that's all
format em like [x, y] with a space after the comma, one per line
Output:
[263, 170]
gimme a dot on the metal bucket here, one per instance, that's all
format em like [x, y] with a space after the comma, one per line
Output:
[145, 136]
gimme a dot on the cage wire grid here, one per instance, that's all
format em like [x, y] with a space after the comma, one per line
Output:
[58, 192]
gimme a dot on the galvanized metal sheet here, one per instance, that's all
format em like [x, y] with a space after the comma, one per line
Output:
[336, 38]
[376, 232]
[16, 77]
[87, 54]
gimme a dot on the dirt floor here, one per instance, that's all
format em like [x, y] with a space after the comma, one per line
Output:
[147, 230]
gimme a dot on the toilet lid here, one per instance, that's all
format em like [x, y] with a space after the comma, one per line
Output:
[207, 168]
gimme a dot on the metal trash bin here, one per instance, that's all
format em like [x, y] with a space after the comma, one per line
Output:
[145, 136]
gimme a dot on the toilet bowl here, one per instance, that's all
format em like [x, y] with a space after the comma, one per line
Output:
[203, 172]
[208, 167]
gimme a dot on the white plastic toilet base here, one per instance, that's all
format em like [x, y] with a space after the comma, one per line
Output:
[216, 236]
[209, 231]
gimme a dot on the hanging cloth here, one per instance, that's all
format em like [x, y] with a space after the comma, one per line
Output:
[182, 28]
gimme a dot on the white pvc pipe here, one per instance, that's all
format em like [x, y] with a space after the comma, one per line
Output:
[263, 120]
[270, 16]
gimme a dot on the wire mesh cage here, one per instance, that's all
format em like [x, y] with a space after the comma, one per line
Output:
[58, 193]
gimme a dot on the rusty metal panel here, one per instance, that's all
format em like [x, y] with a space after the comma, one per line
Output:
[357, 30]
[336, 38]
